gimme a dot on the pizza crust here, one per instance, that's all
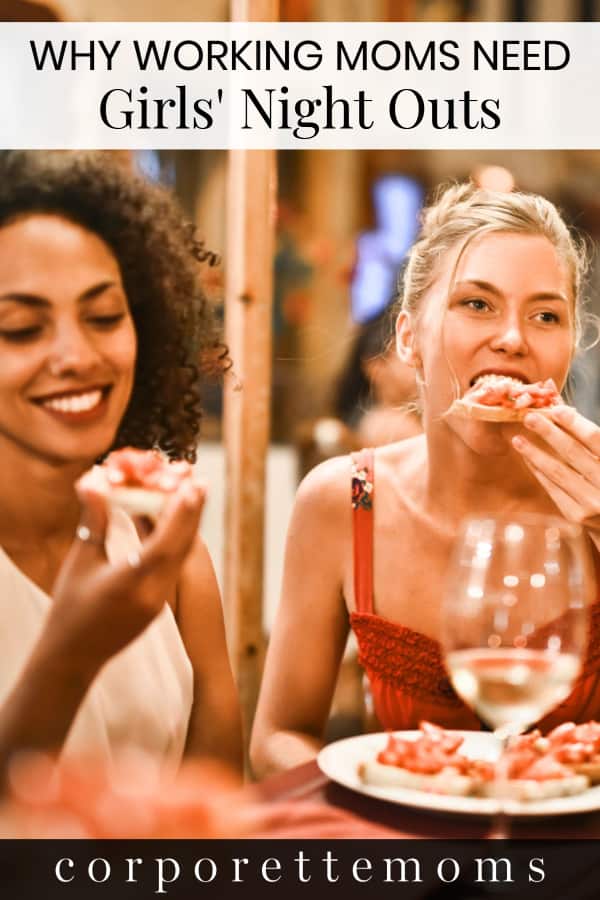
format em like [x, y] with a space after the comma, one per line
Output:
[136, 501]
[527, 789]
[468, 410]
[451, 783]
[448, 781]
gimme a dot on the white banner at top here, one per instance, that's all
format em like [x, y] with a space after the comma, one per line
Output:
[328, 85]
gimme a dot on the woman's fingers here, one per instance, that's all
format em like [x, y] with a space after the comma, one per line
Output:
[565, 503]
[575, 496]
[90, 536]
[138, 587]
[557, 471]
[176, 528]
[94, 513]
[574, 451]
[588, 433]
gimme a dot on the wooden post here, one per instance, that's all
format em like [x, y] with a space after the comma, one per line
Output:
[251, 196]
[338, 176]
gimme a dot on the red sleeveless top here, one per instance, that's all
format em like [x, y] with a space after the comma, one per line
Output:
[407, 676]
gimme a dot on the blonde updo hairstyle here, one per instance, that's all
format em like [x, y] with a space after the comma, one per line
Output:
[460, 213]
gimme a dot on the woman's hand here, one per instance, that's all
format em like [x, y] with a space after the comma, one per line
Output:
[570, 469]
[100, 607]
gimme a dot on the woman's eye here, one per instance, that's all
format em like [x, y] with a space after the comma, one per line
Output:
[476, 303]
[548, 317]
[20, 335]
[107, 321]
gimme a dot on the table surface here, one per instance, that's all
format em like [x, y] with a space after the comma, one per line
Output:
[307, 783]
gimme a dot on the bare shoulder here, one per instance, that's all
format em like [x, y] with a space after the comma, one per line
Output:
[321, 520]
[326, 487]
[197, 580]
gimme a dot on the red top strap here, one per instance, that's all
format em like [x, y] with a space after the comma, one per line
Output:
[363, 486]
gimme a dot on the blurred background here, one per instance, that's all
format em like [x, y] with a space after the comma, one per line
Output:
[344, 222]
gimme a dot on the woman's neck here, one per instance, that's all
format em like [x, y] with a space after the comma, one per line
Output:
[37, 497]
[461, 481]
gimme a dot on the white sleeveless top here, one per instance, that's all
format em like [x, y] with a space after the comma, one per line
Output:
[142, 697]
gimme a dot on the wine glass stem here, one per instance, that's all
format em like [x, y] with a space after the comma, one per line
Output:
[500, 827]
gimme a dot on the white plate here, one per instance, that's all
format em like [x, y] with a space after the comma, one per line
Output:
[340, 761]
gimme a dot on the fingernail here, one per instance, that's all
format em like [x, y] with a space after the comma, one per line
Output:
[134, 559]
[93, 480]
[189, 493]
[532, 420]
[561, 413]
[518, 442]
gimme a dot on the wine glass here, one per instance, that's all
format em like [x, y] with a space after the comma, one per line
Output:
[514, 617]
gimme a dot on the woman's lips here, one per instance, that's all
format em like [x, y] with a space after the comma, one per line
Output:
[74, 407]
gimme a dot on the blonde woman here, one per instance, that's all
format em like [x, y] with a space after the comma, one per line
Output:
[493, 284]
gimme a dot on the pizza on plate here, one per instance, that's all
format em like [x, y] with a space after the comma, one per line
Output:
[531, 768]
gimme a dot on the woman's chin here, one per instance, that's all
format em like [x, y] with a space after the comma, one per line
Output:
[81, 453]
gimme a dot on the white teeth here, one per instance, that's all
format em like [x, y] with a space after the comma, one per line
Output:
[74, 403]
[491, 376]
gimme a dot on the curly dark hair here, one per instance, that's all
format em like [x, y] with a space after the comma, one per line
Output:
[159, 257]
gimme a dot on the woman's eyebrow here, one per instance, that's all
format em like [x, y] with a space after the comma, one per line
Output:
[96, 290]
[36, 301]
[482, 285]
[549, 295]
[492, 289]
[25, 299]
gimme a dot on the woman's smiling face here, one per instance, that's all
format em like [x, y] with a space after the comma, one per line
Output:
[505, 307]
[67, 340]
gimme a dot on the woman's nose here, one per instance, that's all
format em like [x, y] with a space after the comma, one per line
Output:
[510, 338]
[72, 352]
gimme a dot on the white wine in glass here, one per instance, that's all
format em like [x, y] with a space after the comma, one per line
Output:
[511, 688]
[514, 621]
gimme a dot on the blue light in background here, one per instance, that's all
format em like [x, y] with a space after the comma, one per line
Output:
[397, 200]
[155, 168]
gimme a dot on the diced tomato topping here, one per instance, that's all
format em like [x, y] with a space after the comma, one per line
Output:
[526, 399]
[534, 757]
[545, 768]
[481, 768]
[434, 750]
[562, 733]
[528, 756]
[389, 758]
[573, 753]
[500, 390]
[146, 469]
[574, 744]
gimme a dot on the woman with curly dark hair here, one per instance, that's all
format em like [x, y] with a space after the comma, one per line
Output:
[111, 637]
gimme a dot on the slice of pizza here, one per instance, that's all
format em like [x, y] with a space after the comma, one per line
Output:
[140, 481]
[529, 770]
[501, 398]
[577, 747]
[430, 763]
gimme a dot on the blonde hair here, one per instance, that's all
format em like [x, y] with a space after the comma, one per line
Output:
[461, 212]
